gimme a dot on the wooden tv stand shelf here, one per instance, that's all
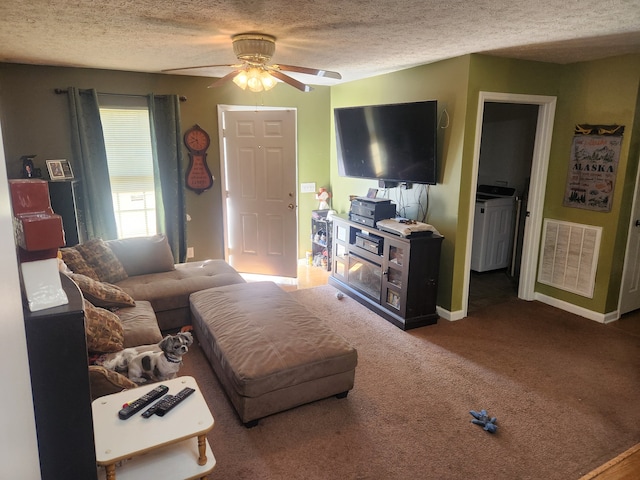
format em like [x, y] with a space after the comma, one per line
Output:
[395, 277]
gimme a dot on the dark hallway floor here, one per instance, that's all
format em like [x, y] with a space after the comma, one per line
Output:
[488, 288]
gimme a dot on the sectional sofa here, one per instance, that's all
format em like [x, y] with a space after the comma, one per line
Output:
[268, 351]
[133, 292]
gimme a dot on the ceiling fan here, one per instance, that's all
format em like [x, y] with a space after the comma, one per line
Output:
[254, 51]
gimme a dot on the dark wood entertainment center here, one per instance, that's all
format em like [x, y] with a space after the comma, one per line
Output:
[394, 276]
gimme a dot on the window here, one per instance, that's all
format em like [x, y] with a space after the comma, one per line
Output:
[127, 138]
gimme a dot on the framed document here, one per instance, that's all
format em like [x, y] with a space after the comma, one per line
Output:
[59, 170]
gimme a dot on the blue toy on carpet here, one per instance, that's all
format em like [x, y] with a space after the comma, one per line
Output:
[482, 418]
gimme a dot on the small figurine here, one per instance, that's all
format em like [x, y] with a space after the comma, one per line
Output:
[28, 170]
[323, 195]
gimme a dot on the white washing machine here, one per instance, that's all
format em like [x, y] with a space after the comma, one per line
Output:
[493, 228]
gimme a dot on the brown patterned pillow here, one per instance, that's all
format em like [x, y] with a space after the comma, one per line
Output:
[102, 294]
[103, 261]
[104, 382]
[76, 263]
[103, 328]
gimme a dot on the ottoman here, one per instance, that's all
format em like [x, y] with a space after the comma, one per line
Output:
[269, 353]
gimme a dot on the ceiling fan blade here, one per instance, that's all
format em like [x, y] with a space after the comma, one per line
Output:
[224, 79]
[291, 81]
[309, 71]
[199, 66]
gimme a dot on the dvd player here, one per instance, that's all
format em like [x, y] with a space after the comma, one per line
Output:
[370, 242]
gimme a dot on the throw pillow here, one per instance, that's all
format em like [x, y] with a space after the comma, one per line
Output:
[102, 294]
[74, 260]
[104, 381]
[103, 329]
[143, 255]
[103, 261]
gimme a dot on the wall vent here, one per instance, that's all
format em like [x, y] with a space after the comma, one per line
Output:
[569, 256]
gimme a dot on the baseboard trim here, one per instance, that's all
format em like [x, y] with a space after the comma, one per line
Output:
[554, 302]
[575, 309]
[450, 316]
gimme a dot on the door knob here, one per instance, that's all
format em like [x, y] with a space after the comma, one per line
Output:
[291, 206]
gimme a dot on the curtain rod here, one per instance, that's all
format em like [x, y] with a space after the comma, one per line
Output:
[59, 91]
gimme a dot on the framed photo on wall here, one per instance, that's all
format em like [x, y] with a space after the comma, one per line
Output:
[59, 170]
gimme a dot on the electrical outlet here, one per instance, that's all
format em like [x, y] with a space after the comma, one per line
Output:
[190, 252]
[308, 187]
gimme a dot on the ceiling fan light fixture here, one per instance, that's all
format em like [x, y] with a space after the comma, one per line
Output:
[254, 50]
[255, 78]
[268, 82]
[241, 80]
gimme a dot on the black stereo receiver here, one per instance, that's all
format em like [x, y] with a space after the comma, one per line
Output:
[368, 211]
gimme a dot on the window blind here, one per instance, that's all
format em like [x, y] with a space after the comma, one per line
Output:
[127, 138]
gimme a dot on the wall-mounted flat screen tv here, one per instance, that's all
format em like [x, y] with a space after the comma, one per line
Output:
[395, 142]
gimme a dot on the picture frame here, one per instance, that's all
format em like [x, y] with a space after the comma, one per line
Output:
[59, 170]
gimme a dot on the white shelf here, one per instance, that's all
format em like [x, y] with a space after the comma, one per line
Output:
[172, 462]
[155, 448]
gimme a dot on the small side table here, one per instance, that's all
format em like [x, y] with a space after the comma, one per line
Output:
[174, 446]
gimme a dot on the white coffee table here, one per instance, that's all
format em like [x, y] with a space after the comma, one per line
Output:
[169, 447]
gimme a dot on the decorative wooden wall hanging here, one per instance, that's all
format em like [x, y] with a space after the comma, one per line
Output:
[198, 176]
[593, 167]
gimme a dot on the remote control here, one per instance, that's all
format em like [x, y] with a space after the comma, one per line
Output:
[153, 408]
[166, 405]
[137, 405]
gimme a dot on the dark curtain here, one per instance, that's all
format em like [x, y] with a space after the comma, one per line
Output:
[90, 164]
[166, 139]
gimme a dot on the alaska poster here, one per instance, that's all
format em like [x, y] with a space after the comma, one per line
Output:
[592, 172]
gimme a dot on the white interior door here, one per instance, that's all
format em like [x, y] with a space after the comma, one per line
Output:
[259, 198]
[630, 288]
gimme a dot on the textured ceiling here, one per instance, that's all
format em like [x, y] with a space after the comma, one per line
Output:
[358, 38]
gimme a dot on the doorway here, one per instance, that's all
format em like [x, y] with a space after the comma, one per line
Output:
[508, 125]
[504, 169]
[259, 177]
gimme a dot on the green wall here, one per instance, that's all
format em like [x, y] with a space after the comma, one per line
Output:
[597, 92]
[603, 91]
[443, 81]
[35, 120]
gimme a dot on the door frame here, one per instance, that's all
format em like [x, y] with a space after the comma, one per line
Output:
[537, 187]
[223, 171]
[635, 213]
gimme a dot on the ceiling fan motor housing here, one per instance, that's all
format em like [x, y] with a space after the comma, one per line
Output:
[254, 47]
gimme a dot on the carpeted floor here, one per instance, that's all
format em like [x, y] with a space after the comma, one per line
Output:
[564, 390]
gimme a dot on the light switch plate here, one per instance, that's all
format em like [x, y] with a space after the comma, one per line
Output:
[308, 187]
